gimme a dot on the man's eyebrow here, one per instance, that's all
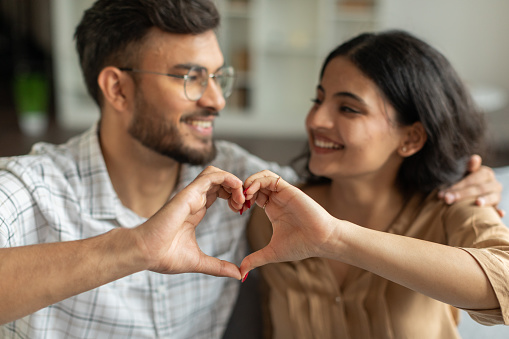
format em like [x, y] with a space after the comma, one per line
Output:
[185, 66]
[344, 94]
[188, 66]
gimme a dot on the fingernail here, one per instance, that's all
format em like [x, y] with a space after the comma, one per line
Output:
[481, 201]
[241, 210]
[245, 277]
[449, 198]
[245, 190]
[248, 204]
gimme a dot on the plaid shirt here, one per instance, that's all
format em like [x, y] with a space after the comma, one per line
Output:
[62, 193]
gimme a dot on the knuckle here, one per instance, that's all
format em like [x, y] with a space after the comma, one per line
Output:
[499, 186]
[488, 172]
[211, 168]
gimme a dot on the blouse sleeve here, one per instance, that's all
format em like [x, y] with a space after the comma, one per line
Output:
[480, 232]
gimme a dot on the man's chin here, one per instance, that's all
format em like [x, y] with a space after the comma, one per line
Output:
[193, 156]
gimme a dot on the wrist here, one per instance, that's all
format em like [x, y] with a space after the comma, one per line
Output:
[339, 246]
[129, 249]
[334, 239]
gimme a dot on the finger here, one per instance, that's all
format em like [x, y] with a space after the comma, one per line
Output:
[248, 204]
[225, 184]
[490, 191]
[215, 177]
[235, 207]
[491, 199]
[268, 183]
[223, 193]
[474, 164]
[482, 175]
[479, 183]
[501, 212]
[218, 268]
[262, 199]
[265, 173]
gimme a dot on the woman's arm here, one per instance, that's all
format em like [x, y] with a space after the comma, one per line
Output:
[303, 229]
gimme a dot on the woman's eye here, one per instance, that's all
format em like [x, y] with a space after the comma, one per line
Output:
[348, 109]
[316, 101]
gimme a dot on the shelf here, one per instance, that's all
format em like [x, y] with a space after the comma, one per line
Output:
[238, 10]
[356, 16]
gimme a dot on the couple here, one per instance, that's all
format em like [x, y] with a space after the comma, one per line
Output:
[87, 227]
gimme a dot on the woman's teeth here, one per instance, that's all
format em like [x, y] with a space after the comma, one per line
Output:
[327, 144]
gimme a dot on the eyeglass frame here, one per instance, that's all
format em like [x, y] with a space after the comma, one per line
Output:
[186, 77]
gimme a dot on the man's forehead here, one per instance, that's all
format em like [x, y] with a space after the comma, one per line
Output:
[201, 49]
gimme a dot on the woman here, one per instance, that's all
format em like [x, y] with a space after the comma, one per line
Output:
[391, 124]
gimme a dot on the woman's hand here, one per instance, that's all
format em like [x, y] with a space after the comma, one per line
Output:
[480, 183]
[168, 239]
[301, 227]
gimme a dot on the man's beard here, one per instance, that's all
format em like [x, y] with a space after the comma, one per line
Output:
[164, 138]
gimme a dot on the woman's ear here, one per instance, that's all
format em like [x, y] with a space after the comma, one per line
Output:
[414, 138]
[114, 84]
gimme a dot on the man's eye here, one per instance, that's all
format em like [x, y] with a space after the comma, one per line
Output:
[316, 101]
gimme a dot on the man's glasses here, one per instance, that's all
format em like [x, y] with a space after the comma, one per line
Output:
[197, 79]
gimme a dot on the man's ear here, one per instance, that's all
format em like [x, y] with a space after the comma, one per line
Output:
[414, 138]
[114, 85]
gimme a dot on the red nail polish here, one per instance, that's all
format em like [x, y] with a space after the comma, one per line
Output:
[245, 190]
[242, 209]
[248, 204]
[245, 277]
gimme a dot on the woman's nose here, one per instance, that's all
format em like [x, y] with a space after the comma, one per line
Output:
[319, 117]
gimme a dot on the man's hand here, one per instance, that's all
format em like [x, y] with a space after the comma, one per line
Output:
[480, 183]
[168, 239]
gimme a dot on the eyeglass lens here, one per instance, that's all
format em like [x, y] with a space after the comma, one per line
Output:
[197, 80]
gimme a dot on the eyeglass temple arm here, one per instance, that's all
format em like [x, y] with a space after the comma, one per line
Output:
[134, 70]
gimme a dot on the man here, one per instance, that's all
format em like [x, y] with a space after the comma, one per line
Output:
[82, 246]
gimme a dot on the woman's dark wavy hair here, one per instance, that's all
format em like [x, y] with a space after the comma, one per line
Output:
[421, 85]
[111, 31]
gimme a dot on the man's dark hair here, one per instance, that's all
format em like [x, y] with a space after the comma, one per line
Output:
[111, 31]
[421, 85]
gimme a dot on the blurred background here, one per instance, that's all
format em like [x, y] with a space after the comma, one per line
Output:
[277, 47]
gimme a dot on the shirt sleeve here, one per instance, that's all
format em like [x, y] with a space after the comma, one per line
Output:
[480, 232]
[13, 198]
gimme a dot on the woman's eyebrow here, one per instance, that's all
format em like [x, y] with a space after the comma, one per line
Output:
[350, 95]
[344, 94]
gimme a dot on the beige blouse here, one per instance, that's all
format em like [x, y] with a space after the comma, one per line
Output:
[304, 301]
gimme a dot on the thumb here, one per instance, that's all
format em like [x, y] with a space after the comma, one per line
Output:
[217, 267]
[254, 260]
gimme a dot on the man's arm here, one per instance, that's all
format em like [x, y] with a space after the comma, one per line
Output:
[33, 277]
[37, 276]
[480, 183]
